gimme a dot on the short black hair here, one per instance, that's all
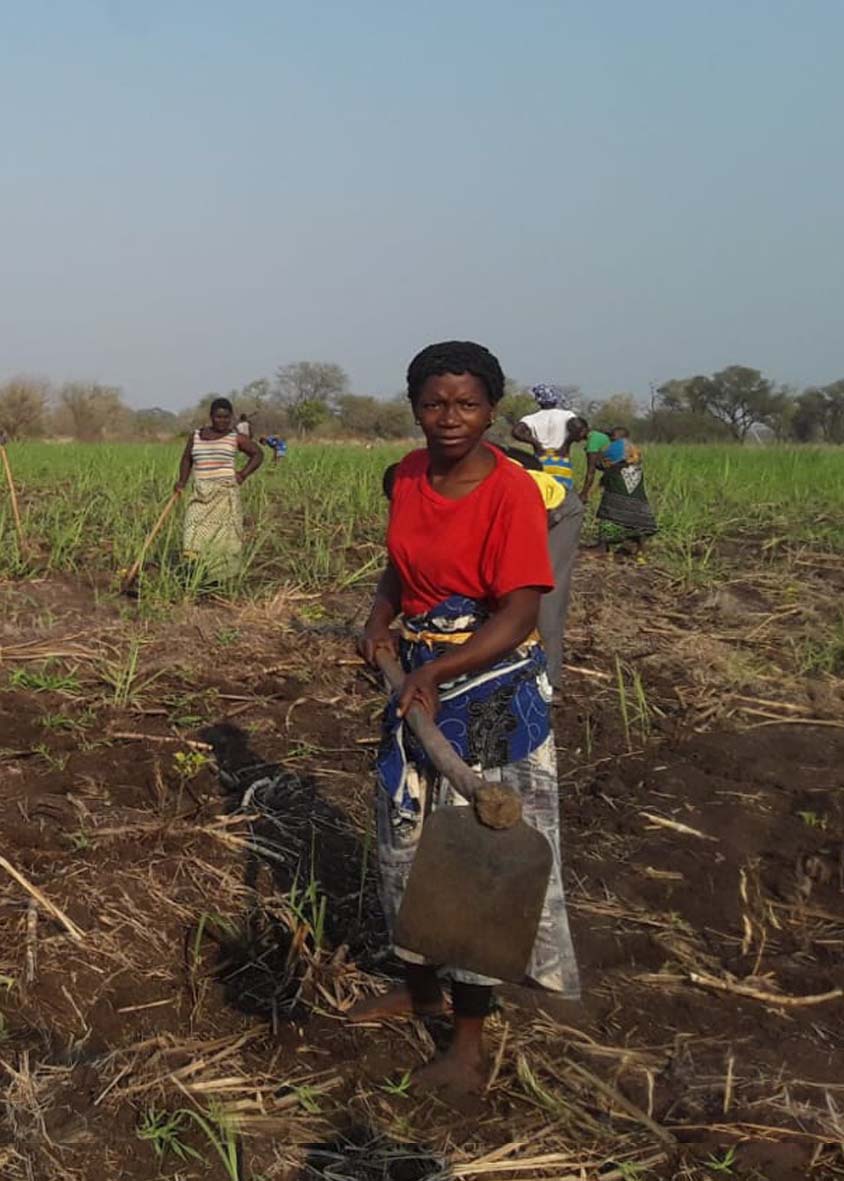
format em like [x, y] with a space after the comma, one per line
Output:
[621, 431]
[456, 356]
[221, 404]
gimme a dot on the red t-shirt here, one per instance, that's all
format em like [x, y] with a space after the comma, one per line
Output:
[485, 545]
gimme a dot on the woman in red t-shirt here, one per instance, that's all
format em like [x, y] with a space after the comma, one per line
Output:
[468, 561]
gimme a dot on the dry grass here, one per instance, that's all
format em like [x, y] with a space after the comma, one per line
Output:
[155, 880]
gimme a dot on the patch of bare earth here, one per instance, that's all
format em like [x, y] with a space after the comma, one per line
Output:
[170, 975]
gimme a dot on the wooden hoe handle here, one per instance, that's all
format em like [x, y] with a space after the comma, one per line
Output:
[135, 570]
[13, 495]
[438, 749]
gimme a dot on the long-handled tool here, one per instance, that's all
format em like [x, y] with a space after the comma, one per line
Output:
[135, 569]
[16, 513]
[474, 896]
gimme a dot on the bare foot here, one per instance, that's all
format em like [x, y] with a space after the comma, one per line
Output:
[395, 1003]
[459, 1072]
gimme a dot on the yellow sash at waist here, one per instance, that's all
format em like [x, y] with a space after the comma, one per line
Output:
[432, 638]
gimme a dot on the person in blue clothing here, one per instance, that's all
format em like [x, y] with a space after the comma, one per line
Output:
[277, 445]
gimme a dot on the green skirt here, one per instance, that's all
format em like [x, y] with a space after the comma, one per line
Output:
[624, 511]
[213, 531]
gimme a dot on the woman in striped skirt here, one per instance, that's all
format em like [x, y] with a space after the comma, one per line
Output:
[213, 530]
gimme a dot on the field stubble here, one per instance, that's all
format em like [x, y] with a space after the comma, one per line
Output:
[180, 1006]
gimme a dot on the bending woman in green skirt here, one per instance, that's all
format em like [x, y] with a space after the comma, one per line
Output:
[624, 513]
[213, 530]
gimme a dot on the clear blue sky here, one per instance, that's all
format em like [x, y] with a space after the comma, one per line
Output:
[606, 192]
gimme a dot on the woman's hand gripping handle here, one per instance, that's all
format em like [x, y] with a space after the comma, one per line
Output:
[495, 805]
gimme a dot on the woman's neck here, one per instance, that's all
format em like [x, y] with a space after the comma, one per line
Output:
[455, 479]
[465, 467]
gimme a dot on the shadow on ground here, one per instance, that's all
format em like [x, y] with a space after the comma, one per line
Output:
[312, 855]
[360, 1154]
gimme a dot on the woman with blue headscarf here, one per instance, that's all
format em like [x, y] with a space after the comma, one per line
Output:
[546, 429]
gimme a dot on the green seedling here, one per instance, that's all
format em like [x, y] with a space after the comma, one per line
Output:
[536, 1092]
[221, 1130]
[307, 1098]
[309, 906]
[303, 750]
[79, 841]
[44, 681]
[187, 710]
[631, 1171]
[813, 820]
[312, 612]
[56, 762]
[163, 1130]
[123, 677]
[722, 1164]
[400, 1089]
[209, 919]
[622, 702]
[188, 764]
[67, 722]
[643, 709]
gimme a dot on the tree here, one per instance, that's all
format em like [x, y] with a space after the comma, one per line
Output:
[358, 414]
[254, 397]
[671, 395]
[819, 414]
[737, 396]
[92, 411]
[257, 391]
[23, 406]
[780, 418]
[306, 415]
[834, 394]
[665, 424]
[809, 422]
[311, 381]
[515, 405]
[395, 419]
[618, 410]
[373, 417]
[154, 423]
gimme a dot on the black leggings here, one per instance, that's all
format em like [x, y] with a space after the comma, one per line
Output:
[469, 1000]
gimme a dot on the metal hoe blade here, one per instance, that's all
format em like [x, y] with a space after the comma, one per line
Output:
[474, 896]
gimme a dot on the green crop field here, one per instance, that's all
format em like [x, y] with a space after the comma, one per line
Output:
[317, 519]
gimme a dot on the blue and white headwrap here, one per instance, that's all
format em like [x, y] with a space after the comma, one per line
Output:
[550, 397]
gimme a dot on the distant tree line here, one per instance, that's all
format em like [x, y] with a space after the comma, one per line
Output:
[313, 398]
[305, 398]
[729, 406]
